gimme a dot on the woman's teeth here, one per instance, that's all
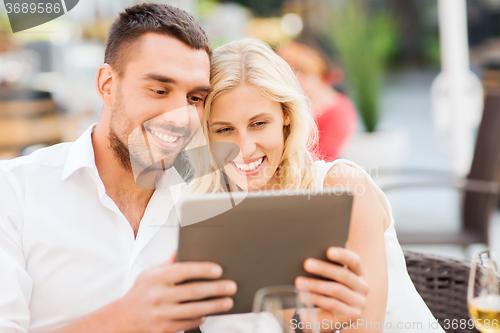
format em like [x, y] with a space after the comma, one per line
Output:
[166, 138]
[251, 166]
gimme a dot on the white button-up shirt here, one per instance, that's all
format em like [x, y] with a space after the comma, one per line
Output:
[65, 247]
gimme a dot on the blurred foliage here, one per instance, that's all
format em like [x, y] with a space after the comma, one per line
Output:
[364, 43]
[217, 42]
[4, 24]
[430, 44]
[206, 6]
[262, 7]
[431, 49]
[5, 33]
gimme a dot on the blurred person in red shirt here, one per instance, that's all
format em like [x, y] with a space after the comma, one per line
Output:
[334, 113]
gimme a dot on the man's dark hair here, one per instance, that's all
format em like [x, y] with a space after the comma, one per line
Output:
[148, 17]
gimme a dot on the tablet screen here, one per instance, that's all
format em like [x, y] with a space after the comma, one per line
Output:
[264, 239]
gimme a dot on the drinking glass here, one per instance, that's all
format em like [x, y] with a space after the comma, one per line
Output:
[284, 309]
[483, 294]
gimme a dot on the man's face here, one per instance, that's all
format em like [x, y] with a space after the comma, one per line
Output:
[159, 102]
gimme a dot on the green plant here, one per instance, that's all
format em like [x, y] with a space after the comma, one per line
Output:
[364, 45]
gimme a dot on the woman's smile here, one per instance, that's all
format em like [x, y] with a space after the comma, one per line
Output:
[249, 167]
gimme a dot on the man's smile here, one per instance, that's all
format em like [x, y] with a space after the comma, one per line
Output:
[169, 141]
[165, 137]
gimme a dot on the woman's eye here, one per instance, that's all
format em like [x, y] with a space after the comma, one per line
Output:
[160, 92]
[260, 123]
[223, 130]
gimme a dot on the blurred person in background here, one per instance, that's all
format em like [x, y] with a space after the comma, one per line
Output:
[333, 112]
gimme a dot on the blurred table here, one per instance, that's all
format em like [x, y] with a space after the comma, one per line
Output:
[491, 76]
[26, 118]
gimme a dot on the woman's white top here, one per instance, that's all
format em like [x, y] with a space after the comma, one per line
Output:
[406, 312]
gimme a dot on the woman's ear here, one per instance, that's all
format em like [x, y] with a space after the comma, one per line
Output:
[104, 82]
[286, 119]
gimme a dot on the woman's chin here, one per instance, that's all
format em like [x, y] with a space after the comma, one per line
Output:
[252, 185]
[244, 183]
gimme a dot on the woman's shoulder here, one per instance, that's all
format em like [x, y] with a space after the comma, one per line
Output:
[330, 173]
[345, 173]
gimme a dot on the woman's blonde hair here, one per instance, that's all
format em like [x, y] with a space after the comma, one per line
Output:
[254, 63]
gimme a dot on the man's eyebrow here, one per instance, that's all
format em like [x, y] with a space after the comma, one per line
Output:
[206, 89]
[159, 77]
[167, 79]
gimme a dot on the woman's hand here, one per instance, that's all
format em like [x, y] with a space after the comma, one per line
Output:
[343, 298]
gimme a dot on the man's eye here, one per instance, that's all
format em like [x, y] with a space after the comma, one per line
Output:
[160, 92]
[195, 99]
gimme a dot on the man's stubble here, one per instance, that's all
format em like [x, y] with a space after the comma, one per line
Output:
[117, 125]
[140, 159]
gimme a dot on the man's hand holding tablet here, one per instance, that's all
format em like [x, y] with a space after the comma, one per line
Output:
[158, 297]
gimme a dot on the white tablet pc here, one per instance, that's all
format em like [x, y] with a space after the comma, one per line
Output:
[264, 239]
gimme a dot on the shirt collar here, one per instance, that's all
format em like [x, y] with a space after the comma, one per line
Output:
[80, 154]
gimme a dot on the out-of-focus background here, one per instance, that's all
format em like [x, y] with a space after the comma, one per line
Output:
[420, 74]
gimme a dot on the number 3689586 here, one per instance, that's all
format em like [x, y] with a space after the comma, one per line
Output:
[39, 8]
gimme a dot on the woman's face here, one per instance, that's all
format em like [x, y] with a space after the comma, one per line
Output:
[245, 117]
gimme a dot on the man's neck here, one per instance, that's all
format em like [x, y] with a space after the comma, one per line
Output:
[119, 182]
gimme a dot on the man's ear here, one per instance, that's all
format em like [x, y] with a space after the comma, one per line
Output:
[104, 83]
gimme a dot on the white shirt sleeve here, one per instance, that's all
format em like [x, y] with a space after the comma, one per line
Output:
[15, 283]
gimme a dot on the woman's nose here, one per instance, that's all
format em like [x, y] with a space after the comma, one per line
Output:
[247, 145]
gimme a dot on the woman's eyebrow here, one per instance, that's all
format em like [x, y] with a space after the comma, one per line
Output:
[263, 114]
[223, 123]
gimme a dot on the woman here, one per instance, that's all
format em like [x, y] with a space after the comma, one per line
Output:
[257, 104]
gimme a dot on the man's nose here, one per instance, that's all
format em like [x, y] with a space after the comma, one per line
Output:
[180, 116]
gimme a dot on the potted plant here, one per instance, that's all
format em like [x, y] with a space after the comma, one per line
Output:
[364, 44]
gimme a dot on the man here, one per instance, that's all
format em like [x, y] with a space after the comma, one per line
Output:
[76, 231]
